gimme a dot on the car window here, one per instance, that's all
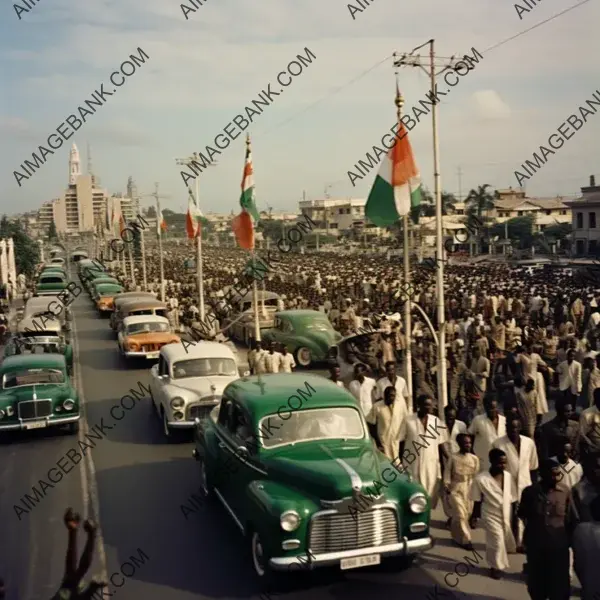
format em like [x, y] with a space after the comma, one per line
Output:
[204, 367]
[242, 429]
[136, 328]
[47, 279]
[315, 424]
[287, 327]
[32, 377]
[227, 414]
[162, 366]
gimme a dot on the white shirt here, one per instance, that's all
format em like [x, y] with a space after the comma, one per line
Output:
[570, 376]
[287, 363]
[271, 361]
[571, 474]
[401, 389]
[363, 392]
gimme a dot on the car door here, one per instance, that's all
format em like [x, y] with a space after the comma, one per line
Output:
[159, 370]
[239, 467]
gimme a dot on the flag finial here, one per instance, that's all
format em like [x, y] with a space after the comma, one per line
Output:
[399, 101]
[247, 139]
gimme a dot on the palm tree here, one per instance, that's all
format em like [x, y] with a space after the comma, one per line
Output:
[480, 200]
[448, 202]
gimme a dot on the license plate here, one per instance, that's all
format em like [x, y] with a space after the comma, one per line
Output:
[360, 561]
[36, 425]
[152, 354]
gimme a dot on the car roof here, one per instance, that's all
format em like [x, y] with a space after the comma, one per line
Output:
[128, 296]
[141, 303]
[108, 287]
[33, 361]
[175, 352]
[144, 319]
[263, 395]
[34, 304]
[53, 273]
[45, 324]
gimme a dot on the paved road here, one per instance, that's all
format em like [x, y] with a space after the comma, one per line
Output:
[138, 484]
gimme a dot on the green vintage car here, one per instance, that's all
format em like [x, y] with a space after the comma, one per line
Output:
[36, 392]
[290, 458]
[308, 334]
[51, 283]
[41, 334]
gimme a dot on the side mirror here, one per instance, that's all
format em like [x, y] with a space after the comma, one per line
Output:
[243, 451]
[246, 373]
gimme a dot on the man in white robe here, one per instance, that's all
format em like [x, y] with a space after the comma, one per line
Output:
[397, 382]
[423, 434]
[494, 494]
[388, 418]
[522, 459]
[486, 429]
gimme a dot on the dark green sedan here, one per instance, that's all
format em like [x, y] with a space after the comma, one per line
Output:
[290, 458]
[35, 392]
[308, 335]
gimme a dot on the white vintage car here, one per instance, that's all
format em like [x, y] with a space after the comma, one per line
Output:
[142, 336]
[188, 382]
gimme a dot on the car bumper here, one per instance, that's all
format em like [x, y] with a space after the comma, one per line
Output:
[181, 424]
[21, 425]
[148, 355]
[403, 548]
[104, 308]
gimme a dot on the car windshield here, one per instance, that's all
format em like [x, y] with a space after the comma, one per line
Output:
[306, 425]
[136, 328]
[318, 325]
[52, 279]
[32, 377]
[204, 367]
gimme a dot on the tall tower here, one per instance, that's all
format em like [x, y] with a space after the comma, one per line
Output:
[74, 165]
[131, 188]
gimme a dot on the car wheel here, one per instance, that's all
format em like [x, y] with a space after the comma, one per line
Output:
[404, 562]
[73, 428]
[269, 579]
[303, 356]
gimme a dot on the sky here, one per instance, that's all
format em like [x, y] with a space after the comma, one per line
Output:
[205, 69]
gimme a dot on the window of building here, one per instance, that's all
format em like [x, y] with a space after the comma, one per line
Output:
[548, 212]
[520, 213]
[579, 220]
[563, 212]
[593, 220]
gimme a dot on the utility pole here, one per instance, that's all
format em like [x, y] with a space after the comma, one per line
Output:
[459, 171]
[435, 66]
[189, 162]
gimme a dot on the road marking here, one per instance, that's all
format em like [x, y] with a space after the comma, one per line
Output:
[89, 484]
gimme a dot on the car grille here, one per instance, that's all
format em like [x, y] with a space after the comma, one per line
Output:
[337, 532]
[151, 347]
[200, 411]
[35, 409]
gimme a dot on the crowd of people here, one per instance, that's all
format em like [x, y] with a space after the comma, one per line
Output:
[520, 341]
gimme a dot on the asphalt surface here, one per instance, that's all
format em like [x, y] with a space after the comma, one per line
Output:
[135, 484]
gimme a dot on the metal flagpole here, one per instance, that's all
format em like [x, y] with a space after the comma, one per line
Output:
[255, 300]
[160, 247]
[414, 60]
[408, 302]
[143, 251]
[441, 313]
[199, 265]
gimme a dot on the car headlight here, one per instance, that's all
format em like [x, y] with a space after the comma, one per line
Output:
[68, 404]
[289, 520]
[177, 403]
[418, 503]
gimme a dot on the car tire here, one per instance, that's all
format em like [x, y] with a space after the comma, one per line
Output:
[405, 562]
[269, 579]
[303, 357]
[73, 428]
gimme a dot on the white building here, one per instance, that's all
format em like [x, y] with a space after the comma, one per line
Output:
[586, 221]
[336, 216]
[545, 211]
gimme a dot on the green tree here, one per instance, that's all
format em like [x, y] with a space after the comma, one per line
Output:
[519, 229]
[480, 200]
[52, 233]
[27, 251]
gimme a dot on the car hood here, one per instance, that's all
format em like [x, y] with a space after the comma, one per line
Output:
[42, 392]
[143, 339]
[201, 386]
[327, 471]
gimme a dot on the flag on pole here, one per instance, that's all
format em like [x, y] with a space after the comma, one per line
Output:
[192, 220]
[243, 224]
[161, 224]
[397, 186]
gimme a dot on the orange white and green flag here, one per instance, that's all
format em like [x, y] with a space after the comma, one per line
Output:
[397, 186]
[161, 224]
[243, 224]
[192, 225]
